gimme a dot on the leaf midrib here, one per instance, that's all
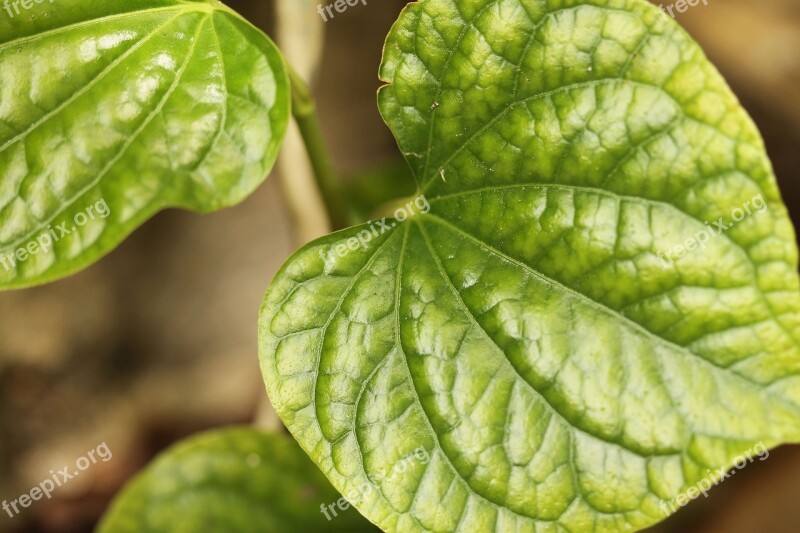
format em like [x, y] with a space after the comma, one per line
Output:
[114, 160]
[536, 26]
[100, 20]
[639, 200]
[550, 407]
[84, 89]
[672, 346]
[500, 507]
[399, 345]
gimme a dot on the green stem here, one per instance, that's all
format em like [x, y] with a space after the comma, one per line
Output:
[304, 112]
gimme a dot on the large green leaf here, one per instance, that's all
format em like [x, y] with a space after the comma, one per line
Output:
[233, 480]
[524, 331]
[113, 110]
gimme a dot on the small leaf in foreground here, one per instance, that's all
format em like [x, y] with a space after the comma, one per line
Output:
[238, 479]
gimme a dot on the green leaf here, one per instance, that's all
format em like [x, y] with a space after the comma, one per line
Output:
[524, 331]
[369, 189]
[236, 479]
[111, 111]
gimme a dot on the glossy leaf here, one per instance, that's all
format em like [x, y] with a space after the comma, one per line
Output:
[538, 331]
[111, 111]
[233, 480]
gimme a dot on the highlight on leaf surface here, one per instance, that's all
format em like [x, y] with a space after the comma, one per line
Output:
[235, 479]
[111, 111]
[599, 308]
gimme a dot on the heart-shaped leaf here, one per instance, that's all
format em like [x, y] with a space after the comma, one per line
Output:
[600, 307]
[111, 111]
[237, 479]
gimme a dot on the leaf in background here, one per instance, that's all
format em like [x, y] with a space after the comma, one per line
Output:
[111, 111]
[525, 331]
[369, 190]
[237, 479]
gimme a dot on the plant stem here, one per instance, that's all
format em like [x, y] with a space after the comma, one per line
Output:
[300, 34]
[304, 112]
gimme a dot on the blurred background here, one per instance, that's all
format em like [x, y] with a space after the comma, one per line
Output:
[158, 340]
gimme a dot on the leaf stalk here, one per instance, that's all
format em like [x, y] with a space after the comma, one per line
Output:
[304, 111]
